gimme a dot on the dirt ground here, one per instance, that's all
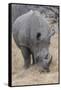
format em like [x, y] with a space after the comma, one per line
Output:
[21, 76]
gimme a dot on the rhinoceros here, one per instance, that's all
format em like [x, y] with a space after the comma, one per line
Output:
[32, 35]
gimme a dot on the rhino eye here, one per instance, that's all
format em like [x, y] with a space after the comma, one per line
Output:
[46, 56]
[38, 35]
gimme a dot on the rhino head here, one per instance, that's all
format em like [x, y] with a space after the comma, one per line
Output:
[42, 56]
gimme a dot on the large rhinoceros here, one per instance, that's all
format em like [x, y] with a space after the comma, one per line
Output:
[32, 35]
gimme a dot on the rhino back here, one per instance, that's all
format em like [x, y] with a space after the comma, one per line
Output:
[26, 28]
[21, 29]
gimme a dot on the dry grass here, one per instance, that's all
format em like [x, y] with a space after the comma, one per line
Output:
[20, 76]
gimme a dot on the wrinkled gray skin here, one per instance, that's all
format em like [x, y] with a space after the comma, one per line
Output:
[32, 35]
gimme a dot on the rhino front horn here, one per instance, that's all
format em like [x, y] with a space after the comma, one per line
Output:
[52, 33]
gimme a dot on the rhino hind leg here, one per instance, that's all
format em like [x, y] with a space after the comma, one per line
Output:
[26, 55]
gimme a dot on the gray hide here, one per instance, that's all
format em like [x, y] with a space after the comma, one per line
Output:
[32, 31]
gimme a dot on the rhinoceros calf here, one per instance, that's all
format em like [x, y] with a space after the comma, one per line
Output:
[32, 35]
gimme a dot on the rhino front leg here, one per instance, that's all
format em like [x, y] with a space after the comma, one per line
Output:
[33, 59]
[26, 54]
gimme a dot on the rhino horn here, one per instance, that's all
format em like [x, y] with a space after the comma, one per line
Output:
[51, 33]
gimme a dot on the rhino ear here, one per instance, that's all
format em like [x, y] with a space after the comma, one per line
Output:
[38, 36]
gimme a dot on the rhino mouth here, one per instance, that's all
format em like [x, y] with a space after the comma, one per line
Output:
[45, 62]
